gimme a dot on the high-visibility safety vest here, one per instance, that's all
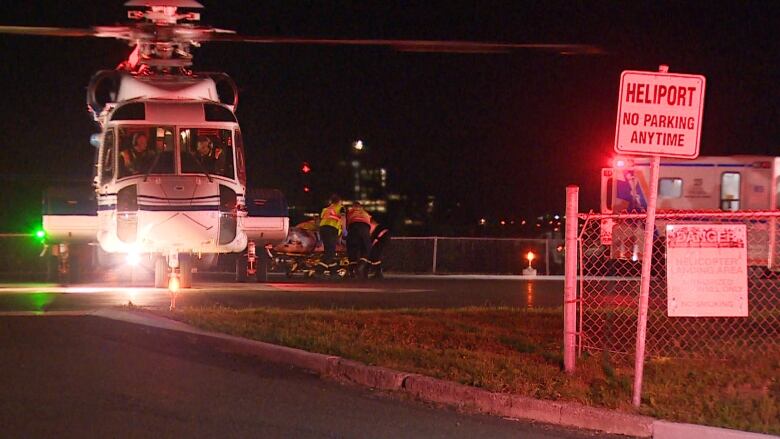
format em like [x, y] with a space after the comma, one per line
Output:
[358, 215]
[331, 216]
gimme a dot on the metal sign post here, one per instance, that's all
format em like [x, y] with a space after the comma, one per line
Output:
[644, 289]
[659, 114]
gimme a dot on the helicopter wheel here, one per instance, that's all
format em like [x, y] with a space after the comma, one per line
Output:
[160, 272]
[261, 267]
[185, 270]
[241, 267]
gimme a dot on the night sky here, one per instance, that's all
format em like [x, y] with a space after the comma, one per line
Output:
[500, 134]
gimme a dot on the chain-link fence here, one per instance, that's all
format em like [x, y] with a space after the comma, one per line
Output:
[20, 256]
[440, 255]
[610, 267]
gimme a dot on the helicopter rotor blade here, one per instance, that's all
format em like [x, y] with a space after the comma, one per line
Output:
[196, 34]
[414, 45]
[47, 31]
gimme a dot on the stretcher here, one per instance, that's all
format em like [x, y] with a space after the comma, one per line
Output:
[302, 251]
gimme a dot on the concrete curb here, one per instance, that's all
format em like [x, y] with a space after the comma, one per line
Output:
[434, 390]
[675, 430]
[369, 376]
[516, 406]
[319, 363]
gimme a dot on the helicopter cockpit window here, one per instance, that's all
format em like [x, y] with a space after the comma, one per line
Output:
[216, 113]
[107, 157]
[146, 150]
[207, 150]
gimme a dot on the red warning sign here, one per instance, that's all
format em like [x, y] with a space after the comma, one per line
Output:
[707, 270]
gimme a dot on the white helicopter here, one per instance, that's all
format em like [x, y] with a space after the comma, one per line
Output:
[170, 180]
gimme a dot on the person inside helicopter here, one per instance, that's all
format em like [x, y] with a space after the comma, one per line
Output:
[164, 150]
[138, 158]
[207, 150]
[210, 156]
[146, 151]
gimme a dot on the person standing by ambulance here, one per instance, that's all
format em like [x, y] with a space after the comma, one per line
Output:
[331, 226]
[358, 239]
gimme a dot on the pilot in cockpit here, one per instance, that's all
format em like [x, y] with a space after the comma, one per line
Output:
[210, 156]
[137, 158]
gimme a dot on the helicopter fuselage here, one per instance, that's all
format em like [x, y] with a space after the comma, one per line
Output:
[170, 176]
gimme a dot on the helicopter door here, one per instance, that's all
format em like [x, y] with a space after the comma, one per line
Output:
[240, 161]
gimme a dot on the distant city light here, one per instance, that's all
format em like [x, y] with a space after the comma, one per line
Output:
[557, 217]
[522, 222]
[358, 145]
[482, 221]
[503, 223]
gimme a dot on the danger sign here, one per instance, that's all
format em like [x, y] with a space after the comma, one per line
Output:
[659, 114]
[707, 270]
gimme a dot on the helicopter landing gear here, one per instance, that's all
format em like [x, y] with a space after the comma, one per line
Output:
[263, 260]
[66, 269]
[160, 272]
[185, 270]
[252, 264]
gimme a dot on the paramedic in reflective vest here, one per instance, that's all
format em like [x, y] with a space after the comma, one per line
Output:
[330, 230]
[380, 237]
[358, 239]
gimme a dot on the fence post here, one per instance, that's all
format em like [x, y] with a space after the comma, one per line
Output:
[547, 256]
[435, 251]
[570, 279]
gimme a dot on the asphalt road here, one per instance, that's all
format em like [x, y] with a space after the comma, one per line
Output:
[407, 292]
[91, 377]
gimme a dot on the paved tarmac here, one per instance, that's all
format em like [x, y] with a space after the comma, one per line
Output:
[296, 293]
[91, 377]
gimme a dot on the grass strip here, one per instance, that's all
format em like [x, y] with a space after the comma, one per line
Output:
[516, 351]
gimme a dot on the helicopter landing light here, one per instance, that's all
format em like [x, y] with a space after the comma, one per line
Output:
[133, 259]
[173, 284]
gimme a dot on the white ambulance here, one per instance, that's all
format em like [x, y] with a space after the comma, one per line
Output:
[730, 183]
